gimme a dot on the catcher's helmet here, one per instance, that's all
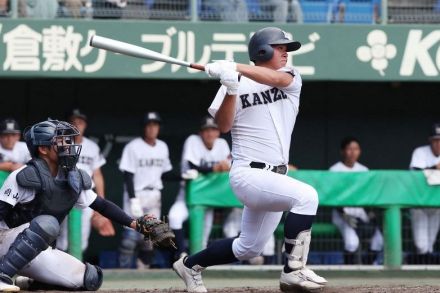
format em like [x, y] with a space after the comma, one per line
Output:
[260, 48]
[55, 133]
[9, 126]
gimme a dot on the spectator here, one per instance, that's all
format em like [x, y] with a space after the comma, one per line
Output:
[76, 8]
[426, 221]
[281, 10]
[353, 220]
[4, 9]
[108, 8]
[337, 11]
[90, 160]
[13, 153]
[230, 10]
[203, 153]
[143, 162]
[46, 9]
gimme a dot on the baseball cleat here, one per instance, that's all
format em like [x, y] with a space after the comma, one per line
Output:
[23, 282]
[7, 285]
[296, 281]
[191, 276]
[312, 276]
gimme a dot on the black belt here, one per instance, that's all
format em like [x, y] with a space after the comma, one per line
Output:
[281, 169]
[148, 188]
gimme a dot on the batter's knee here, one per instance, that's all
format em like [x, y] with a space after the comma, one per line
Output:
[311, 201]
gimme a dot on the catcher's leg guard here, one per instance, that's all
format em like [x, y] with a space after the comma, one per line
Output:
[127, 248]
[42, 232]
[92, 277]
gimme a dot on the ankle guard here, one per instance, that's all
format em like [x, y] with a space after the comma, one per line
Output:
[297, 258]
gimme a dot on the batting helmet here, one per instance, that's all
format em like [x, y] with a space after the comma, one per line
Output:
[260, 48]
[54, 133]
[9, 126]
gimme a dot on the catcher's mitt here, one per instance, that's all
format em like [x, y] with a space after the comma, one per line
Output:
[159, 232]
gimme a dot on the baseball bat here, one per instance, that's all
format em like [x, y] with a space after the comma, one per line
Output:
[137, 51]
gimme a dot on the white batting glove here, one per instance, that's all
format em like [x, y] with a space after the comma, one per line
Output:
[136, 207]
[216, 68]
[229, 79]
[190, 174]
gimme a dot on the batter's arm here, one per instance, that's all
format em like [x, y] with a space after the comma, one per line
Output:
[226, 113]
[265, 75]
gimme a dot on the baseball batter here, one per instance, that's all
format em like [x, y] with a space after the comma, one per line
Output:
[35, 199]
[426, 222]
[13, 153]
[205, 153]
[143, 162]
[347, 218]
[260, 110]
[91, 161]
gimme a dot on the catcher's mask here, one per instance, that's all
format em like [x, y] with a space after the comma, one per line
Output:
[57, 134]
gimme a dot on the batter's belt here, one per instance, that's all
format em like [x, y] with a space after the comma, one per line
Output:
[281, 169]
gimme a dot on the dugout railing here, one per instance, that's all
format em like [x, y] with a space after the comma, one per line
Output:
[390, 190]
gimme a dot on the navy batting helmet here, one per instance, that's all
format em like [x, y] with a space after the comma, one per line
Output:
[55, 133]
[260, 48]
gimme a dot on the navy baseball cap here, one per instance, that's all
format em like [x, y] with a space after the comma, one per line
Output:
[76, 113]
[435, 131]
[152, 117]
[9, 126]
[208, 122]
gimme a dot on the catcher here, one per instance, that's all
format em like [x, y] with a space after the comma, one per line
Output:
[35, 199]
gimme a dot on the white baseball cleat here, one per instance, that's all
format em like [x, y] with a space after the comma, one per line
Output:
[6, 284]
[312, 276]
[296, 281]
[191, 276]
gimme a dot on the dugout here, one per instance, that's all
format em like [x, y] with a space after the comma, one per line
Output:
[389, 109]
[390, 119]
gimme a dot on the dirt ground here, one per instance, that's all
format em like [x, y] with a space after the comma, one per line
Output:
[351, 289]
[267, 281]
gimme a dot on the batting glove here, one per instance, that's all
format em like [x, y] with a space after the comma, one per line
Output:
[230, 80]
[216, 68]
[136, 207]
[190, 174]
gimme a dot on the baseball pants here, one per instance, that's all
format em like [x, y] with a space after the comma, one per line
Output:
[266, 195]
[425, 225]
[51, 266]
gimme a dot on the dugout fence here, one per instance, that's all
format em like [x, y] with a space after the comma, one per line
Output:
[386, 190]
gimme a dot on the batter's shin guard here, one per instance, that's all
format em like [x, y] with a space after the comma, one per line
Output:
[41, 232]
[297, 257]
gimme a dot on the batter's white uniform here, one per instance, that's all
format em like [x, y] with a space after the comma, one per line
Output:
[18, 154]
[425, 222]
[51, 266]
[147, 163]
[261, 132]
[195, 151]
[349, 234]
[89, 160]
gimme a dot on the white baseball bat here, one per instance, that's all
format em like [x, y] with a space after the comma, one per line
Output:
[136, 51]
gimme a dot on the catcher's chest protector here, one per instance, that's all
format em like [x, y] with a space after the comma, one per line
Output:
[54, 197]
